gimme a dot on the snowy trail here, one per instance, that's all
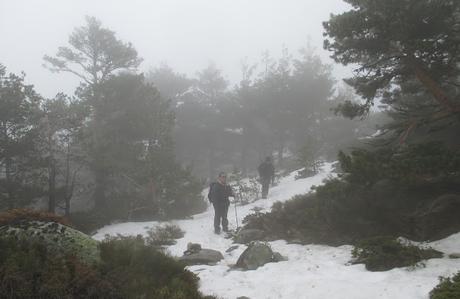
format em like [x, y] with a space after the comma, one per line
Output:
[312, 271]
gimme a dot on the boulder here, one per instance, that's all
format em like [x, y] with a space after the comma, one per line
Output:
[57, 237]
[192, 248]
[246, 236]
[202, 257]
[256, 255]
[277, 257]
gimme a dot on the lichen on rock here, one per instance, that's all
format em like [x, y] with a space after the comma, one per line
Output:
[57, 237]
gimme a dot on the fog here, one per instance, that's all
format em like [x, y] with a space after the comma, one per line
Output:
[188, 35]
[273, 129]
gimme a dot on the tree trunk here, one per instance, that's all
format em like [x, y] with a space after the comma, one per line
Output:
[68, 188]
[9, 183]
[51, 172]
[52, 186]
[432, 86]
[8, 170]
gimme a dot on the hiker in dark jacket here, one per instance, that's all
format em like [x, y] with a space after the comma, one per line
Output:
[267, 174]
[219, 192]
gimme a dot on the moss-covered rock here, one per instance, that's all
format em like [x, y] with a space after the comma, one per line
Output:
[128, 268]
[56, 236]
[256, 255]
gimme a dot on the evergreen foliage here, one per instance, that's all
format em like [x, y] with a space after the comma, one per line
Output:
[308, 158]
[395, 42]
[380, 192]
[94, 55]
[140, 271]
[20, 163]
[60, 148]
[127, 134]
[277, 111]
[127, 269]
[416, 162]
[448, 288]
[164, 235]
[117, 131]
[386, 253]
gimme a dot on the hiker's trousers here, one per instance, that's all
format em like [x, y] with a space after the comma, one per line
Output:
[265, 185]
[220, 215]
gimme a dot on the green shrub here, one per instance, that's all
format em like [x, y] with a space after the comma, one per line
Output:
[300, 219]
[164, 235]
[141, 271]
[448, 288]
[128, 269]
[380, 192]
[385, 253]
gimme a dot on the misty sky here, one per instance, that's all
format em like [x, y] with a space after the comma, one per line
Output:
[187, 34]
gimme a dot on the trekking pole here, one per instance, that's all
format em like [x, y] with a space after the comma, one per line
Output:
[236, 213]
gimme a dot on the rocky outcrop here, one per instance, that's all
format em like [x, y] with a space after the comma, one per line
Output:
[195, 255]
[256, 255]
[57, 237]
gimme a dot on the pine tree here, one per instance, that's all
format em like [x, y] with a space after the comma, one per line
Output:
[19, 164]
[394, 42]
[93, 56]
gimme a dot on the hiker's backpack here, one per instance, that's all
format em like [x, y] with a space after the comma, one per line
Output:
[210, 190]
[265, 169]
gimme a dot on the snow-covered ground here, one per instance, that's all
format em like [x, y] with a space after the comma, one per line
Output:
[312, 271]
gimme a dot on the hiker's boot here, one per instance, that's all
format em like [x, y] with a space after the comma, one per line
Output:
[217, 231]
[226, 229]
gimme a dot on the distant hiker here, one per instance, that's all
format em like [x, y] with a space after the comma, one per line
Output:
[266, 174]
[218, 195]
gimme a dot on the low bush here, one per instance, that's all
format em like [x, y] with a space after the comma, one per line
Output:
[164, 235]
[301, 219]
[128, 268]
[386, 253]
[141, 271]
[448, 288]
